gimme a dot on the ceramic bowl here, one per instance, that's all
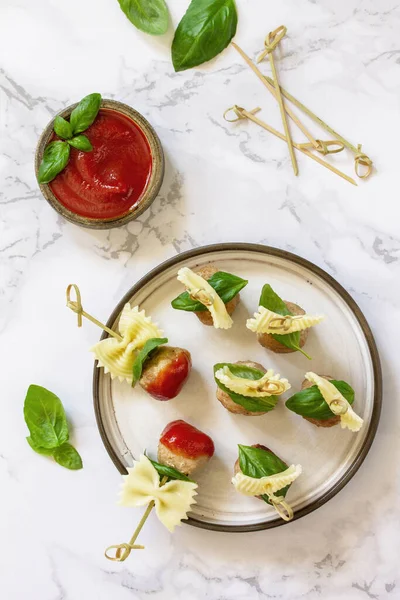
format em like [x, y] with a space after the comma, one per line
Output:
[150, 192]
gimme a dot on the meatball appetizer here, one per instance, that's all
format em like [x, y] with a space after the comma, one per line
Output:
[281, 326]
[138, 354]
[211, 294]
[260, 473]
[247, 388]
[165, 372]
[184, 447]
[325, 402]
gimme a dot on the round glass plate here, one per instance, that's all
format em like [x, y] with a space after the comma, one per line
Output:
[342, 346]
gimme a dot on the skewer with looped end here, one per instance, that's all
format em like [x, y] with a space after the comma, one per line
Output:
[76, 307]
[360, 158]
[120, 552]
[283, 322]
[241, 113]
[283, 509]
[328, 147]
[271, 42]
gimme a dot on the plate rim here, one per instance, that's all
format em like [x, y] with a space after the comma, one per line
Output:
[355, 309]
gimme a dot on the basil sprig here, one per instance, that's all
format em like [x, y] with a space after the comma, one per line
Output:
[310, 402]
[169, 472]
[256, 462]
[270, 300]
[226, 285]
[143, 355]
[48, 427]
[252, 404]
[204, 31]
[56, 154]
[150, 16]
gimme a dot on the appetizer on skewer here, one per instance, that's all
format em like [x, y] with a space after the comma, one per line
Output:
[164, 485]
[211, 294]
[247, 388]
[260, 473]
[281, 326]
[184, 447]
[325, 402]
[137, 354]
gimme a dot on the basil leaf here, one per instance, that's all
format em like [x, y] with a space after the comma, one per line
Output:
[68, 457]
[253, 404]
[256, 462]
[81, 142]
[85, 113]
[310, 402]
[150, 16]
[39, 449]
[226, 285]
[62, 128]
[45, 417]
[55, 159]
[169, 472]
[141, 357]
[270, 299]
[205, 30]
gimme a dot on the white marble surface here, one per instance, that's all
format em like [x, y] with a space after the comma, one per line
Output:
[223, 183]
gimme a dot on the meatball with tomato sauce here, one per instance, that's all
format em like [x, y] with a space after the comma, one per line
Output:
[165, 372]
[184, 447]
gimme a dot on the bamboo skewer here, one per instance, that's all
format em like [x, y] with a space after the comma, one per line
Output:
[242, 113]
[270, 87]
[271, 42]
[76, 306]
[360, 157]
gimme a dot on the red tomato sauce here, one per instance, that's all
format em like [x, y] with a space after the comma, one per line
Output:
[171, 379]
[108, 181]
[184, 439]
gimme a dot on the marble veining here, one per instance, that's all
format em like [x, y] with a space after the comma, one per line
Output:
[223, 182]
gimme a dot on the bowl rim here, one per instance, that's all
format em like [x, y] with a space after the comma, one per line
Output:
[375, 359]
[149, 193]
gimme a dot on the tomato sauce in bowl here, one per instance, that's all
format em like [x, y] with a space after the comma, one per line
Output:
[118, 179]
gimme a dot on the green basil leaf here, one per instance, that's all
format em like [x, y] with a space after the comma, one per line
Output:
[85, 113]
[150, 16]
[45, 417]
[256, 462]
[310, 402]
[253, 404]
[226, 285]
[62, 128]
[169, 472]
[270, 299]
[39, 449]
[68, 457]
[205, 30]
[55, 159]
[141, 357]
[81, 142]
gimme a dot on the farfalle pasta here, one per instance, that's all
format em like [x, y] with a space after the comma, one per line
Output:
[247, 388]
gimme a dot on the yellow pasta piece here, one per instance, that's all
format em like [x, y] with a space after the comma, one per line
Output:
[202, 291]
[251, 486]
[267, 321]
[336, 402]
[117, 356]
[172, 500]
[268, 385]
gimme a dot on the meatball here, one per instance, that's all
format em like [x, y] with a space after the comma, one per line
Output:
[334, 420]
[184, 447]
[266, 339]
[205, 316]
[227, 401]
[165, 372]
[236, 466]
